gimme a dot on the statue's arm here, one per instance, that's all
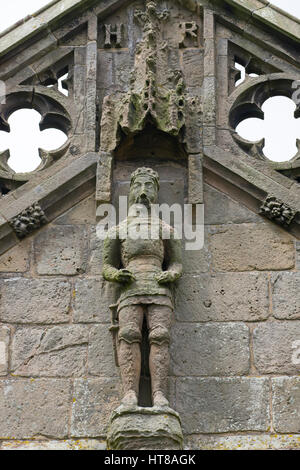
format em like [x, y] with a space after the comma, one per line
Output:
[111, 263]
[111, 259]
[173, 260]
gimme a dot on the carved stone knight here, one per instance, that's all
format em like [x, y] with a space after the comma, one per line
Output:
[145, 269]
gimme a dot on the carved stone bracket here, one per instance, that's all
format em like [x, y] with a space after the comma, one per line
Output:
[144, 429]
[278, 211]
[28, 221]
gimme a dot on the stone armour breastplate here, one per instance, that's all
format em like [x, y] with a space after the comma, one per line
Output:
[144, 258]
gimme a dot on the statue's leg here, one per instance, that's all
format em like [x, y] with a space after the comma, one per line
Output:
[159, 319]
[130, 335]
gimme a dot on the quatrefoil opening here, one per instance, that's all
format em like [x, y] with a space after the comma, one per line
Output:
[253, 102]
[53, 116]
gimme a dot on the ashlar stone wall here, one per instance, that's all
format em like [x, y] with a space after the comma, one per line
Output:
[234, 375]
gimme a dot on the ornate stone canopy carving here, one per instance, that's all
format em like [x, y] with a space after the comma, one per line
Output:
[156, 92]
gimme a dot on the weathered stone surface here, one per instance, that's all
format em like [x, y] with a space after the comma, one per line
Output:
[297, 243]
[286, 404]
[30, 408]
[61, 250]
[34, 300]
[95, 260]
[93, 402]
[241, 442]
[60, 351]
[221, 209]
[209, 349]
[252, 247]
[286, 295]
[274, 347]
[270, 15]
[82, 213]
[193, 67]
[223, 297]
[4, 344]
[101, 359]
[16, 260]
[153, 429]
[91, 300]
[215, 405]
[71, 444]
[196, 261]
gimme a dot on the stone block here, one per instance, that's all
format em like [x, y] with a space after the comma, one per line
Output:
[61, 250]
[30, 407]
[8, 237]
[252, 247]
[16, 260]
[209, 24]
[286, 295]
[222, 297]
[209, 57]
[101, 359]
[221, 209]
[81, 214]
[95, 260]
[243, 442]
[196, 261]
[272, 16]
[70, 444]
[218, 405]
[34, 301]
[105, 63]
[91, 301]
[93, 402]
[193, 67]
[209, 104]
[286, 404]
[209, 135]
[60, 351]
[4, 344]
[208, 349]
[274, 345]
[124, 64]
[195, 179]
[248, 5]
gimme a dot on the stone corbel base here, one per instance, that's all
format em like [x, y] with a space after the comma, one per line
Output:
[137, 428]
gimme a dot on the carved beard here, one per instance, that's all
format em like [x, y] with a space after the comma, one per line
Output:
[144, 200]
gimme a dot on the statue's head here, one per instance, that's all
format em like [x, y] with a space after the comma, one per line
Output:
[144, 186]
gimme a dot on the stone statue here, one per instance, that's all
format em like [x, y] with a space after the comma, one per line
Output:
[145, 269]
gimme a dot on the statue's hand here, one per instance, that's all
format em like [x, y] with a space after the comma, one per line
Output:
[123, 276]
[166, 276]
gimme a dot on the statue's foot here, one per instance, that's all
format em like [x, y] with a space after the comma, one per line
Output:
[130, 399]
[159, 399]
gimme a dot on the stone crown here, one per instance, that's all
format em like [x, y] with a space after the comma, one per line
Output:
[143, 171]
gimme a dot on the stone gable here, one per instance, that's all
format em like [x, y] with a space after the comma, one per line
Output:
[167, 99]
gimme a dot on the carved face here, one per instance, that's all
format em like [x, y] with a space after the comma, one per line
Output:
[143, 191]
